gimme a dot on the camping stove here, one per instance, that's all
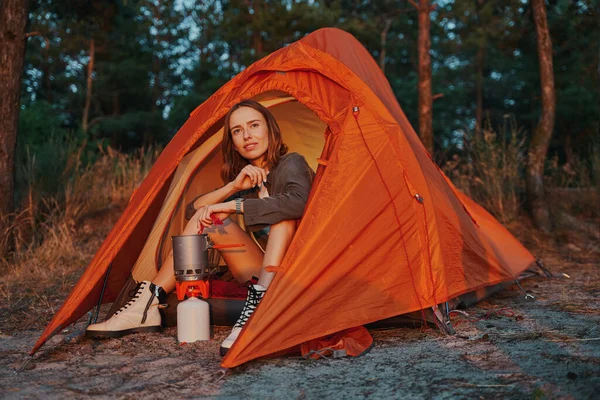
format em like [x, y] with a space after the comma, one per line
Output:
[191, 265]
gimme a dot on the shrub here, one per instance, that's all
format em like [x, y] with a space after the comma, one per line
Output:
[490, 170]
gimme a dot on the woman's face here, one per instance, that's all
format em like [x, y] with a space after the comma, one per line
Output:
[250, 134]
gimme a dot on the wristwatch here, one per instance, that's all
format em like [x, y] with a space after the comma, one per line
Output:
[238, 205]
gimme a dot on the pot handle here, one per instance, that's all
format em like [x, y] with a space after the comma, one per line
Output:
[225, 246]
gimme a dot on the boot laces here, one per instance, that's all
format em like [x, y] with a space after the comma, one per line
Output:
[134, 294]
[254, 297]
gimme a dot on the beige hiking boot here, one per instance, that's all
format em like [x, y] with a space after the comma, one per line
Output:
[140, 314]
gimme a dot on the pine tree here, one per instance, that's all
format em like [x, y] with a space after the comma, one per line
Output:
[538, 147]
[13, 19]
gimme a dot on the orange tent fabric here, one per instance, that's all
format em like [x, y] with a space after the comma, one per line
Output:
[384, 232]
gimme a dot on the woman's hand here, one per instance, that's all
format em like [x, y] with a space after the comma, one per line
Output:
[205, 213]
[249, 177]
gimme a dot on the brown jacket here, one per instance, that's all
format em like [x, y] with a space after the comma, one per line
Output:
[288, 184]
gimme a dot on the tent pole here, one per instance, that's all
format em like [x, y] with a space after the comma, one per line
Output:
[95, 317]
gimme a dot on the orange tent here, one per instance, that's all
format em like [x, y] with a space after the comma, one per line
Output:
[384, 232]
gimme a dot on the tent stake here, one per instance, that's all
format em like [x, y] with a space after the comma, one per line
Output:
[527, 295]
[95, 317]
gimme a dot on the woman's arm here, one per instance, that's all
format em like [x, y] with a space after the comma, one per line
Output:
[216, 196]
[289, 202]
[248, 177]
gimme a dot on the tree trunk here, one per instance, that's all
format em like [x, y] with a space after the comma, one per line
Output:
[257, 40]
[479, 90]
[425, 97]
[116, 111]
[257, 44]
[13, 19]
[88, 93]
[543, 132]
[387, 24]
[479, 68]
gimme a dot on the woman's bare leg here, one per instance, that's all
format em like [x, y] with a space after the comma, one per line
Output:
[243, 262]
[280, 237]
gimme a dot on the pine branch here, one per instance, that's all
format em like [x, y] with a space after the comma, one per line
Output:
[414, 4]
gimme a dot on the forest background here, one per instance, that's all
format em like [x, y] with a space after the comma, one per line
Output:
[106, 84]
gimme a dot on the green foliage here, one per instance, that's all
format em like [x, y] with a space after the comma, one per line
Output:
[43, 149]
[157, 60]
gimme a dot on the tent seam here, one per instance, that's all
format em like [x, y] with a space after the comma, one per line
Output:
[412, 278]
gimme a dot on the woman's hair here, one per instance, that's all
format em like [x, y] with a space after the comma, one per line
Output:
[233, 161]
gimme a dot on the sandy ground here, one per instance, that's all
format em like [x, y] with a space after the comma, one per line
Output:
[507, 347]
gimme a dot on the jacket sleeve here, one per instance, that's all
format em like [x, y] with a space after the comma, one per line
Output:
[190, 210]
[288, 204]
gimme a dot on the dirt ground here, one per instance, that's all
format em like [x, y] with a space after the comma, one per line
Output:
[506, 347]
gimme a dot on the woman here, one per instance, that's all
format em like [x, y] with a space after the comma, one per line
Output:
[264, 183]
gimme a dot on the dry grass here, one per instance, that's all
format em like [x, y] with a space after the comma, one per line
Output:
[578, 172]
[110, 180]
[47, 248]
[490, 170]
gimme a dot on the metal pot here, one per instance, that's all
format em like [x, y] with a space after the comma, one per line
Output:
[190, 256]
